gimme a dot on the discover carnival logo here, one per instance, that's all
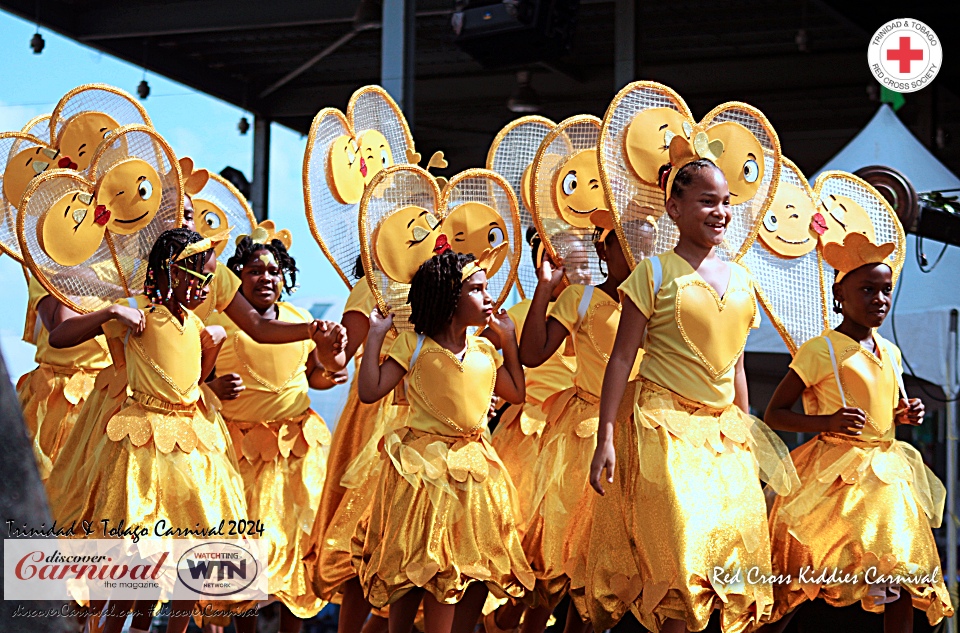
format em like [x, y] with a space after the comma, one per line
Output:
[905, 55]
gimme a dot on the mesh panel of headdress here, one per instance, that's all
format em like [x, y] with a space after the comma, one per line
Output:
[118, 267]
[511, 153]
[222, 194]
[790, 287]
[636, 205]
[11, 144]
[886, 225]
[574, 245]
[371, 108]
[121, 107]
[39, 127]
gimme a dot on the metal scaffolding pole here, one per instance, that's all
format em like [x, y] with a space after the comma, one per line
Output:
[260, 184]
[397, 44]
[950, 520]
[624, 42]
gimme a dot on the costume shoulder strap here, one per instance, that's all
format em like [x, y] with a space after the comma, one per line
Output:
[413, 360]
[836, 368]
[583, 307]
[657, 266]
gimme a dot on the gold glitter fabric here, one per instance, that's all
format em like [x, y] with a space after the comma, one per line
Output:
[442, 518]
[684, 520]
[283, 464]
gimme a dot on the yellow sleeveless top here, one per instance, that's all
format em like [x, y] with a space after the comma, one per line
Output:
[554, 375]
[90, 355]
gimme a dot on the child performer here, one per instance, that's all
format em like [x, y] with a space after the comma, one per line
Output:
[279, 440]
[868, 501]
[685, 518]
[443, 519]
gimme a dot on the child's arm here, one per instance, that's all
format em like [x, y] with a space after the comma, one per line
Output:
[624, 355]
[319, 377]
[779, 415]
[542, 337]
[375, 381]
[510, 385]
[741, 397]
[72, 329]
[211, 340]
[357, 324]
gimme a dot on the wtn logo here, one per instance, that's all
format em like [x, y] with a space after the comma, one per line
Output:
[224, 569]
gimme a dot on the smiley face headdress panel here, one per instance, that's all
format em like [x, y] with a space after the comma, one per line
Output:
[511, 155]
[218, 206]
[87, 237]
[22, 158]
[405, 219]
[570, 207]
[795, 284]
[649, 134]
[344, 153]
[87, 115]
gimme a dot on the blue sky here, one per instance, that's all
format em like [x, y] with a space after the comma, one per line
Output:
[195, 124]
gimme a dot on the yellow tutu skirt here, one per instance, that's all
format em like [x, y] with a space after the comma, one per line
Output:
[67, 486]
[283, 464]
[682, 530]
[161, 461]
[51, 398]
[517, 441]
[562, 479]
[442, 518]
[865, 508]
[353, 468]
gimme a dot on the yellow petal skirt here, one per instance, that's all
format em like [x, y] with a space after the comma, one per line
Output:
[442, 518]
[517, 442]
[157, 461]
[353, 468]
[283, 464]
[51, 399]
[562, 479]
[863, 506]
[686, 500]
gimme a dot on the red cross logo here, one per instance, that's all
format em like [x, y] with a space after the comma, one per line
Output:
[905, 54]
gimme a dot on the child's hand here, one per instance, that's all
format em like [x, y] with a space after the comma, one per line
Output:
[501, 323]
[227, 387]
[549, 275]
[330, 337]
[130, 317]
[380, 323]
[212, 336]
[848, 420]
[910, 412]
[604, 458]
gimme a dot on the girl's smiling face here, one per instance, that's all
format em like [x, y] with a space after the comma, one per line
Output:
[702, 212]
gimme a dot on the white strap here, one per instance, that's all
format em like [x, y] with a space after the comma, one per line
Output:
[836, 370]
[132, 302]
[413, 359]
[897, 369]
[657, 276]
[583, 307]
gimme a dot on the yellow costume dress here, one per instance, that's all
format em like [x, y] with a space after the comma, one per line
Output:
[66, 489]
[867, 503]
[353, 468]
[166, 454]
[280, 445]
[563, 466]
[444, 510]
[686, 496]
[517, 437]
[52, 395]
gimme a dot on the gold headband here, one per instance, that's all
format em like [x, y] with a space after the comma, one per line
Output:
[857, 250]
[695, 146]
[266, 232]
[205, 244]
[484, 262]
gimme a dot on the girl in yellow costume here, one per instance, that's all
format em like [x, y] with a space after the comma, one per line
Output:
[279, 440]
[686, 501]
[443, 519]
[867, 503]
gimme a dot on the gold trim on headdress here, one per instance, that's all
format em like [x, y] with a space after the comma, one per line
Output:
[856, 251]
[205, 244]
[484, 262]
[266, 232]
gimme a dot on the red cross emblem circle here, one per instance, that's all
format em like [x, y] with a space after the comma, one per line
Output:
[905, 55]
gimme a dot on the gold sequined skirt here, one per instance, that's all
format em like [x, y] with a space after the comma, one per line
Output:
[684, 523]
[442, 518]
[68, 484]
[160, 461]
[283, 464]
[353, 468]
[517, 440]
[51, 399]
[864, 508]
[562, 479]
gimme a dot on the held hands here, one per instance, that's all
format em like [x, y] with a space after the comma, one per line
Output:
[329, 337]
[604, 458]
[909, 412]
[501, 323]
[212, 336]
[847, 420]
[130, 317]
[379, 323]
[549, 275]
[227, 387]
